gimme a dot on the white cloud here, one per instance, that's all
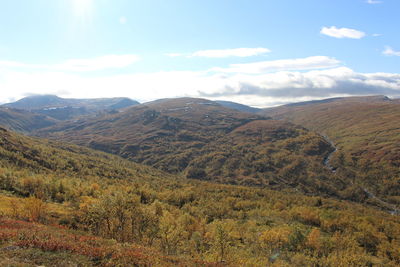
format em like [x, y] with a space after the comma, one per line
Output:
[293, 82]
[342, 32]
[13, 64]
[390, 52]
[80, 65]
[372, 2]
[288, 86]
[224, 53]
[315, 62]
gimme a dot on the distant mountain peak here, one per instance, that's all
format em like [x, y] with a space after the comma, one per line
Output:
[31, 102]
[68, 108]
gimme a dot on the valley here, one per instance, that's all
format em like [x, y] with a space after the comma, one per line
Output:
[365, 132]
[201, 139]
[191, 182]
[199, 133]
[327, 160]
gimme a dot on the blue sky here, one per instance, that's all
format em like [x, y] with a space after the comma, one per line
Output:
[260, 53]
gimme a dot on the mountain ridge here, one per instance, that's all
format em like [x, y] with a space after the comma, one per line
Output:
[50, 101]
[69, 108]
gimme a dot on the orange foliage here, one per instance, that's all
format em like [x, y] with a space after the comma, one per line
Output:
[314, 239]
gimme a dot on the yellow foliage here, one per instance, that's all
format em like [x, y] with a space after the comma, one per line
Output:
[274, 238]
[344, 242]
[306, 215]
[345, 258]
[390, 250]
[35, 209]
[86, 202]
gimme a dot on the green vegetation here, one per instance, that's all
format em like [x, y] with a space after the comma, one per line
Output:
[107, 211]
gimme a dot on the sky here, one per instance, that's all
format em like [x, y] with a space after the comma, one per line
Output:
[256, 52]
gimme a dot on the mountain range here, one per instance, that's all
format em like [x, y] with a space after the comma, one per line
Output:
[323, 146]
[64, 108]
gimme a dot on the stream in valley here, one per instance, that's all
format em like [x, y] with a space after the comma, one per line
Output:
[392, 209]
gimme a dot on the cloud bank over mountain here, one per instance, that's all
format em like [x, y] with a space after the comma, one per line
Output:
[262, 83]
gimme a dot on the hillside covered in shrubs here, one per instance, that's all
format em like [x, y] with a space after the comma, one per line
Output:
[65, 204]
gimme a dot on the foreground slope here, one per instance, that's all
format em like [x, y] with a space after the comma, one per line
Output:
[48, 157]
[32, 244]
[366, 132]
[45, 181]
[204, 140]
[131, 215]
